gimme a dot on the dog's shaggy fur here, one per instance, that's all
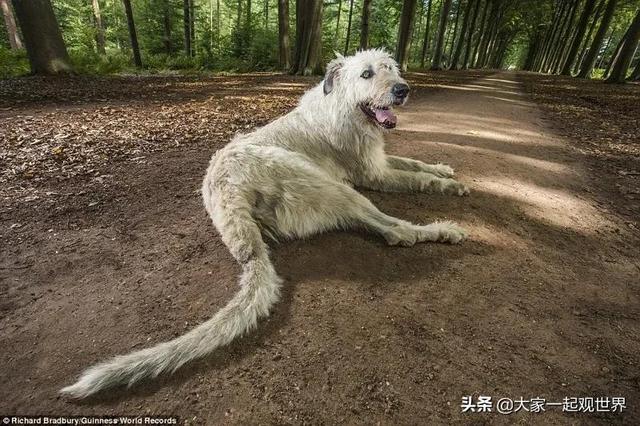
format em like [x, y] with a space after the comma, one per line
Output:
[290, 179]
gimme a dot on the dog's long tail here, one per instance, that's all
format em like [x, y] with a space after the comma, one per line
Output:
[259, 290]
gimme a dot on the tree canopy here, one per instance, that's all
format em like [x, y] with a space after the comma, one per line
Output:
[588, 38]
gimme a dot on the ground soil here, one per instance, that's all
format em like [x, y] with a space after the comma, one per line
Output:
[106, 248]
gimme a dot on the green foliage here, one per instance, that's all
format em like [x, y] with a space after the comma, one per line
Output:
[13, 63]
[227, 39]
[89, 62]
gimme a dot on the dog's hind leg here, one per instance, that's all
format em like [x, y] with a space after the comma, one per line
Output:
[310, 207]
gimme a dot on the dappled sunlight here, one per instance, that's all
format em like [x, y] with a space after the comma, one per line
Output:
[455, 124]
[502, 81]
[543, 165]
[511, 101]
[494, 89]
[495, 237]
[559, 207]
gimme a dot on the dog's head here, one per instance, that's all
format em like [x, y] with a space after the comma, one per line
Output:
[368, 83]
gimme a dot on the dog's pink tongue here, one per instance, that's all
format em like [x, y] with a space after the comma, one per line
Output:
[385, 115]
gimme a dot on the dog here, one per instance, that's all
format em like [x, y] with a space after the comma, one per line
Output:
[293, 178]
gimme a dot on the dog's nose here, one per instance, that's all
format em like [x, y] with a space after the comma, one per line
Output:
[400, 90]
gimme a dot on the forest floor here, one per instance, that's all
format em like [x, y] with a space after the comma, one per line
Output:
[106, 248]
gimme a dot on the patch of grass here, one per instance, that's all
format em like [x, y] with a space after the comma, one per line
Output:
[13, 63]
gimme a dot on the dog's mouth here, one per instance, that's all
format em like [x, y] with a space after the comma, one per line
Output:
[383, 116]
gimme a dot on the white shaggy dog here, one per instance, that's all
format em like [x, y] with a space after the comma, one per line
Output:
[293, 178]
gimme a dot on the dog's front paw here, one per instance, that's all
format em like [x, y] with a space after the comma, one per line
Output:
[442, 170]
[454, 187]
[450, 232]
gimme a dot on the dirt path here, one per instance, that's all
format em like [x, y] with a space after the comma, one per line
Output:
[542, 301]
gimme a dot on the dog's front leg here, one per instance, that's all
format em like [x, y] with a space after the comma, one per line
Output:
[393, 180]
[409, 164]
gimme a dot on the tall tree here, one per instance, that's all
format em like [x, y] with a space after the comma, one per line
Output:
[12, 30]
[481, 31]
[346, 43]
[554, 30]
[404, 33]
[283, 35]
[308, 50]
[337, 36]
[590, 59]
[97, 19]
[585, 42]
[624, 56]
[192, 26]
[561, 48]
[635, 75]
[45, 46]
[364, 26]
[472, 27]
[557, 39]
[578, 36]
[436, 63]
[132, 33]
[186, 7]
[454, 33]
[455, 58]
[166, 27]
[425, 42]
[487, 34]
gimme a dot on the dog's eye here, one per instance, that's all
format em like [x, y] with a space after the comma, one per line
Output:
[366, 74]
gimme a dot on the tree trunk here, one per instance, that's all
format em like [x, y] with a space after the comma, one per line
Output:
[12, 30]
[187, 27]
[613, 55]
[337, 36]
[45, 46]
[166, 27]
[364, 31]
[472, 28]
[266, 15]
[563, 42]
[218, 24]
[481, 30]
[554, 30]
[555, 41]
[559, 39]
[577, 39]
[425, 43]
[534, 48]
[590, 59]
[436, 63]
[404, 33]
[346, 43]
[635, 75]
[283, 34]
[97, 19]
[455, 27]
[463, 32]
[488, 35]
[192, 26]
[132, 33]
[623, 58]
[248, 20]
[605, 49]
[582, 51]
[546, 38]
[308, 51]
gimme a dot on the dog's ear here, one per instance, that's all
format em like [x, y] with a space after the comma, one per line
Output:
[333, 68]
